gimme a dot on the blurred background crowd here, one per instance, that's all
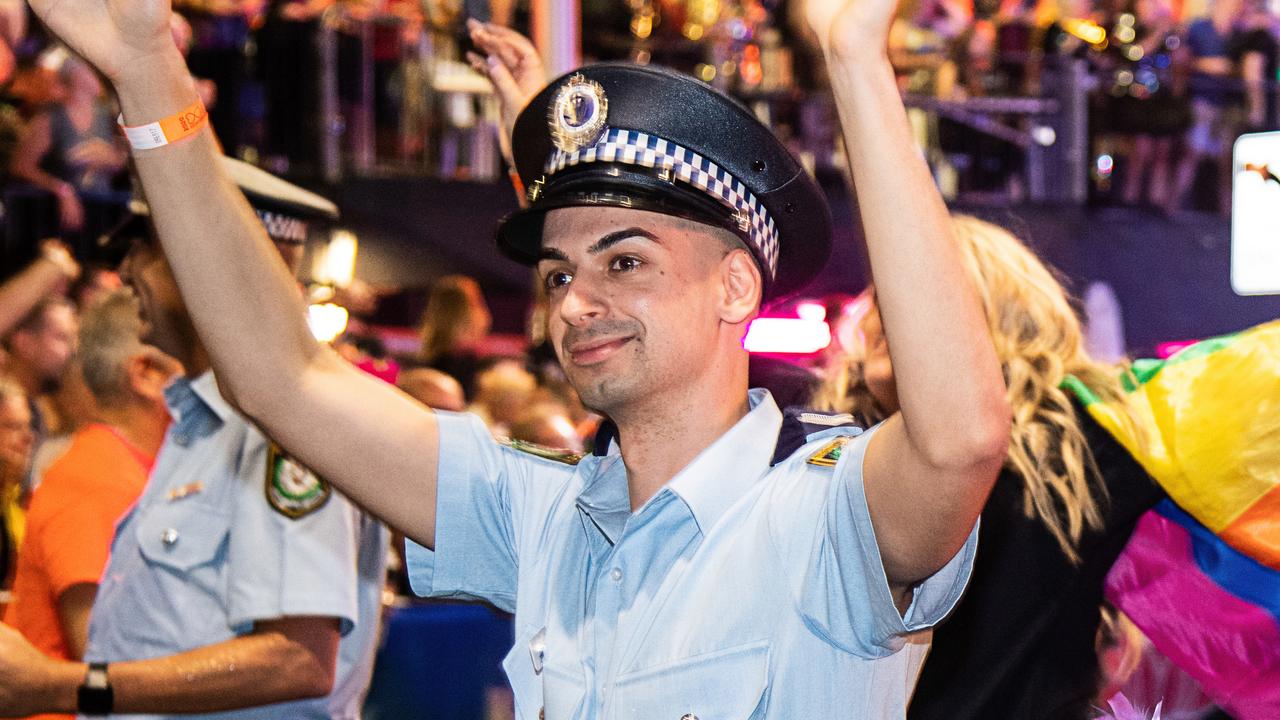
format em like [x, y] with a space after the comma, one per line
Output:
[1085, 103]
[1144, 96]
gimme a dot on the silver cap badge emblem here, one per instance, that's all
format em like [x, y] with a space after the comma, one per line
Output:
[578, 114]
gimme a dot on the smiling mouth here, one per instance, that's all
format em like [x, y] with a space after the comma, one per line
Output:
[596, 352]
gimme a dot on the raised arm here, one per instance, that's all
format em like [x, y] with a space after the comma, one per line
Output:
[369, 440]
[48, 274]
[929, 470]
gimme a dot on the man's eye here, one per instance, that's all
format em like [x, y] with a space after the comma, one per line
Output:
[624, 263]
[557, 279]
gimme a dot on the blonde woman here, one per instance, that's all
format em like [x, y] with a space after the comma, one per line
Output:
[1021, 642]
[454, 323]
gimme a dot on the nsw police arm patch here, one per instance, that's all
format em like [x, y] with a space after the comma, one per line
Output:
[293, 490]
[829, 455]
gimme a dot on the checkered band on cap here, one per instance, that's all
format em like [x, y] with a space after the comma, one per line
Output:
[636, 148]
[283, 228]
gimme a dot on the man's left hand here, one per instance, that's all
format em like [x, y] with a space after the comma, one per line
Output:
[511, 63]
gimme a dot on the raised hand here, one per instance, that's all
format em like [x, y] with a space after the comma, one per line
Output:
[851, 25]
[511, 63]
[115, 36]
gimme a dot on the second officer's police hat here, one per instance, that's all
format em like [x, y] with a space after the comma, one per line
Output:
[642, 137]
[287, 211]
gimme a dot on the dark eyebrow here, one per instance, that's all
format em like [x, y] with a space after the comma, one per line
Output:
[600, 245]
[552, 254]
[614, 238]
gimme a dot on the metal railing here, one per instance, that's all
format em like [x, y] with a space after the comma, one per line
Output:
[410, 106]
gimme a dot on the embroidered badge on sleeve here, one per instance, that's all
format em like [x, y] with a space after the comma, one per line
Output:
[293, 490]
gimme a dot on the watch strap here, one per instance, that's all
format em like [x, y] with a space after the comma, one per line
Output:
[95, 696]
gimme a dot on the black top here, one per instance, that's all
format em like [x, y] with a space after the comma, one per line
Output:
[462, 365]
[1021, 642]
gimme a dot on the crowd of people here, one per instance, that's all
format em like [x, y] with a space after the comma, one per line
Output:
[139, 531]
[1174, 85]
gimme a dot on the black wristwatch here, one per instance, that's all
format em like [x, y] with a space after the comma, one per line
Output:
[95, 696]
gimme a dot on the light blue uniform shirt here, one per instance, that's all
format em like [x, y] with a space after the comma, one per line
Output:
[739, 590]
[203, 556]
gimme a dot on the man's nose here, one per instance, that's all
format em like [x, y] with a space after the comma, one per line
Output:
[582, 301]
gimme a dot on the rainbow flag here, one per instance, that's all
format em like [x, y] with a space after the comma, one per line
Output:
[1201, 574]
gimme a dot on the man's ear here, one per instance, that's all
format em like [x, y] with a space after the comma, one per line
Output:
[742, 287]
[150, 372]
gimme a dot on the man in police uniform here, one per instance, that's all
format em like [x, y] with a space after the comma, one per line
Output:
[714, 560]
[238, 565]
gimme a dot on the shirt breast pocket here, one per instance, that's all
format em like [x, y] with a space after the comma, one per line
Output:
[725, 684]
[182, 537]
[541, 688]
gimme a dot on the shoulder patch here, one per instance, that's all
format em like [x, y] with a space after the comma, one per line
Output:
[802, 425]
[292, 489]
[541, 451]
[829, 455]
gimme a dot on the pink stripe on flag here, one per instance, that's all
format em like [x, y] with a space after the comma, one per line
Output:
[1230, 646]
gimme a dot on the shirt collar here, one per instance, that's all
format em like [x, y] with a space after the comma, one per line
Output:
[605, 501]
[708, 485]
[206, 386]
[721, 473]
[196, 406]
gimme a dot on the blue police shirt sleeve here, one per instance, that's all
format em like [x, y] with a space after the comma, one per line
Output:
[845, 596]
[280, 566]
[491, 503]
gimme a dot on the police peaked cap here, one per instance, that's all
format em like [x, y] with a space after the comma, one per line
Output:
[623, 135]
[286, 211]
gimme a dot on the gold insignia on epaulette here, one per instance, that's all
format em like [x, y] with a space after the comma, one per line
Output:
[829, 455]
[293, 490]
[567, 457]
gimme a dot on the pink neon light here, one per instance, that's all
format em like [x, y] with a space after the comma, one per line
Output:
[794, 336]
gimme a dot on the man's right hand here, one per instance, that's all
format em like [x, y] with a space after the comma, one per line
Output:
[118, 37]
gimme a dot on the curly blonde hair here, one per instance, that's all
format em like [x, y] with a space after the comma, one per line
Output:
[1039, 341]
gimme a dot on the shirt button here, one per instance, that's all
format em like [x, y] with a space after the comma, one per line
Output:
[616, 574]
[688, 716]
[542, 714]
[169, 537]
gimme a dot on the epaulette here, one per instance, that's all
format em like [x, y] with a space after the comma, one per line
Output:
[568, 457]
[800, 424]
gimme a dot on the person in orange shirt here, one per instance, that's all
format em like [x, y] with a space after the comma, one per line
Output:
[73, 512]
